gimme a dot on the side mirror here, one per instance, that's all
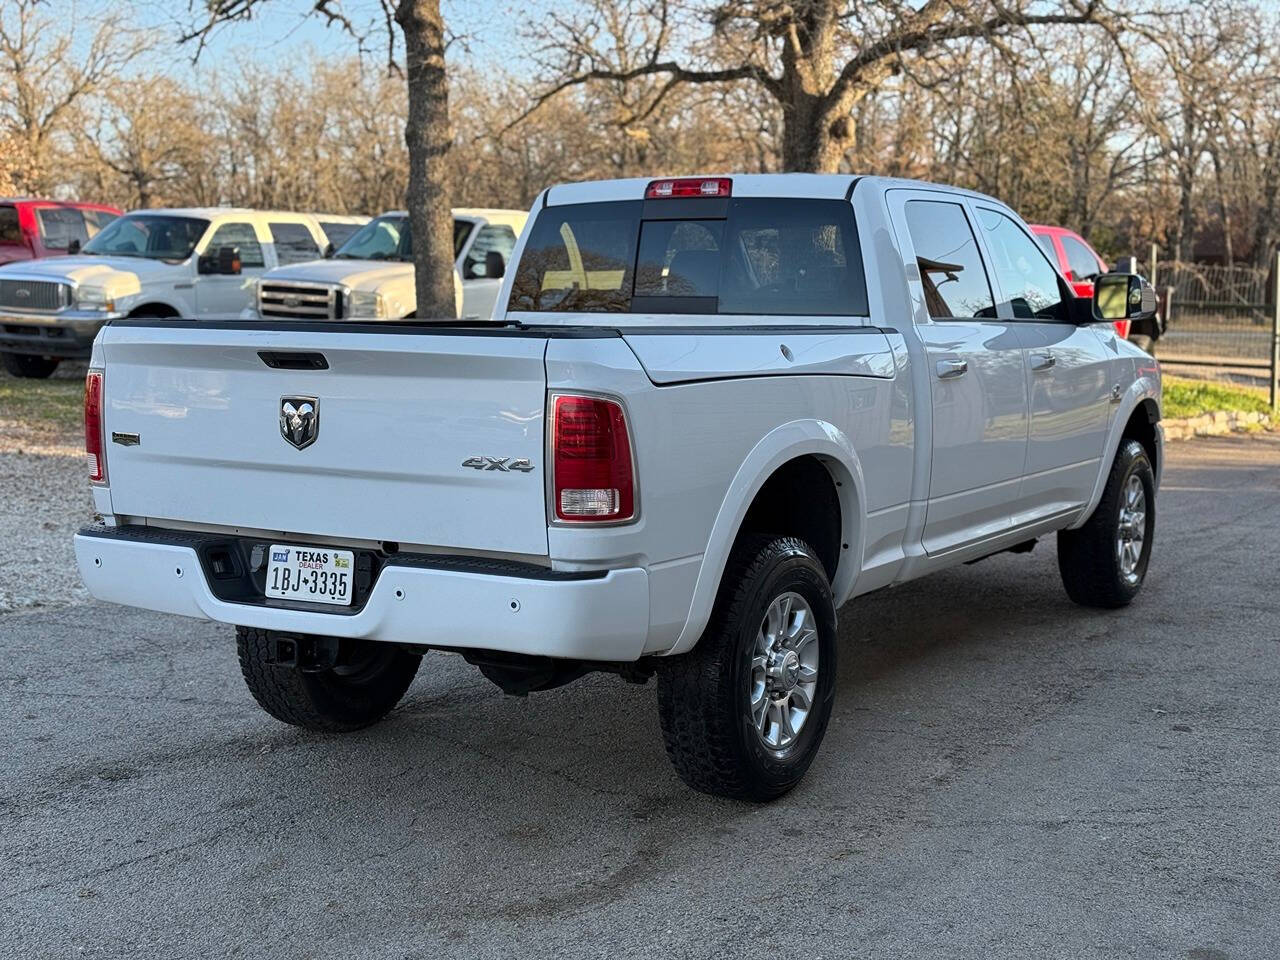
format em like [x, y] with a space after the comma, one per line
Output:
[73, 247]
[328, 251]
[224, 260]
[229, 260]
[1123, 296]
[494, 265]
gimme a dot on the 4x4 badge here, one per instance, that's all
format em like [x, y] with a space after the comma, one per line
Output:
[504, 464]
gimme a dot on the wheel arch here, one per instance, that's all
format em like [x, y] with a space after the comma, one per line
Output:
[788, 455]
[1138, 416]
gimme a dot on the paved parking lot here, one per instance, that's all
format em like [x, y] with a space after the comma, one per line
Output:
[1005, 775]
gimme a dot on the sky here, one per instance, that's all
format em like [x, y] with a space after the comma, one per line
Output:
[285, 29]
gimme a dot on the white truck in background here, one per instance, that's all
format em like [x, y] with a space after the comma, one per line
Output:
[182, 262]
[706, 413]
[370, 277]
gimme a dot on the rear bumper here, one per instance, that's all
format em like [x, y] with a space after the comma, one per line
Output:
[604, 617]
[67, 335]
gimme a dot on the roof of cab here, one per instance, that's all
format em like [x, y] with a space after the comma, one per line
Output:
[817, 186]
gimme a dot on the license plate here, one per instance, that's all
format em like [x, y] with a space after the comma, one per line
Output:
[315, 574]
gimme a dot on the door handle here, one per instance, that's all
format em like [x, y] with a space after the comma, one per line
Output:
[950, 369]
[1042, 361]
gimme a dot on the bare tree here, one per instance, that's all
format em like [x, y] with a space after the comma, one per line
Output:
[1200, 48]
[429, 138]
[427, 133]
[817, 59]
[45, 75]
[149, 134]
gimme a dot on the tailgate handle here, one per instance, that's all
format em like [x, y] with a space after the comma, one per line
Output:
[293, 360]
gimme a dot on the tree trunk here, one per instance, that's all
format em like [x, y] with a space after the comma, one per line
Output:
[815, 130]
[428, 138]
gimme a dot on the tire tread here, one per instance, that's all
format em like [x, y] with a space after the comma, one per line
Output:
[1086, 557]
[696, 703]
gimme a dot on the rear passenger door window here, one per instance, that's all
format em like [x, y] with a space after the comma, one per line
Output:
[240, 235]
[294, 243]
[951, 272]
[1027, 280]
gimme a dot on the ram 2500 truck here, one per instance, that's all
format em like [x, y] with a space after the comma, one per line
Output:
[708, 413]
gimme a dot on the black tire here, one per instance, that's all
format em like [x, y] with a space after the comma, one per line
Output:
[29, 366]
[367, 683]
[704, 696]
[1089, 558]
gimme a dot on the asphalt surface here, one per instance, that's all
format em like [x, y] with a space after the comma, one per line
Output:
[1006, 775]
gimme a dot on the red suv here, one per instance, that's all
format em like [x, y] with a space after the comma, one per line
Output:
[46, 228]
[1081, 265]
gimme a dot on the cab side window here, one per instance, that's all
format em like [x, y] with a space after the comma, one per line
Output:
[492, 237]
[294, 244]
[240, 235]
[1026, 277]
[955, 282]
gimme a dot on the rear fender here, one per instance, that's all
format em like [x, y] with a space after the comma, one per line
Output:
[786, 442]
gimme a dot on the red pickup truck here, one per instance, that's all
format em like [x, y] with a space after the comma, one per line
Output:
[31, 228]
[1081, 265]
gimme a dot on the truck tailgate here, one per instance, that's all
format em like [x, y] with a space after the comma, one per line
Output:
[400, 412]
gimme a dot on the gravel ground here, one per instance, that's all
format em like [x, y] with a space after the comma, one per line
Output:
[1005, 775]
[46, 499]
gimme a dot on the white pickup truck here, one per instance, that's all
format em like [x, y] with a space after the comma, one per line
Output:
[706, 414]
[191, 262]
[370, 277]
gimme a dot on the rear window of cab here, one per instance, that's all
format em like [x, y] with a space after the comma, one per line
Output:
[746, 256]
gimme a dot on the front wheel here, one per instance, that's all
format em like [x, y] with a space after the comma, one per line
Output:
[28, 366]
[744, 712]
[1104, 563]
[364, 683]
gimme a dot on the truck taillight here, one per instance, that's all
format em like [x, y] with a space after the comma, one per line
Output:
[689, 187]
[593, 478]
[95, 453]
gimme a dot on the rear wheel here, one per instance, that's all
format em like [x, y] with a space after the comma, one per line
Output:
[364, 683]
[744, 712]
[1104, 563]
[29, 366]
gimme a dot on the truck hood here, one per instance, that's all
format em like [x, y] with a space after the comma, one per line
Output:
[120, 275]
[356, 274]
